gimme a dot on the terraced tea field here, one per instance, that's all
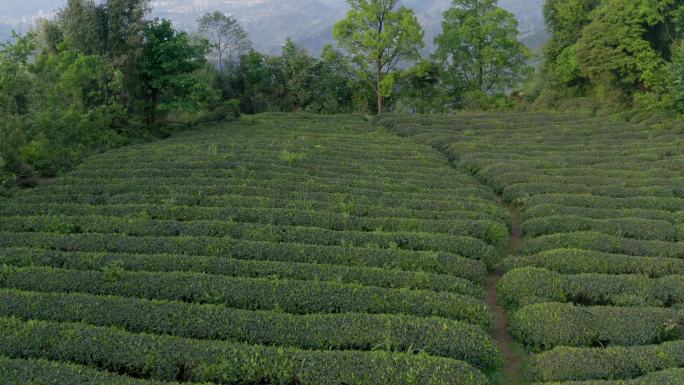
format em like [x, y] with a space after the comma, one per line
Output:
[297, 249]
[277, 250]
[596, 289]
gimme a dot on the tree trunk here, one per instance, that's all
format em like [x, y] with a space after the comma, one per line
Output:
[379, 87]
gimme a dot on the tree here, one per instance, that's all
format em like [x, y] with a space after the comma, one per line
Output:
[624, 49]
[166, 65]
[228, 40]
[419, 90]
[332, 89]
[379, 36]
[676, 73]
[479, 48]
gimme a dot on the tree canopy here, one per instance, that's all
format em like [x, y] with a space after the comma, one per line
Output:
[479, 48]
[378, 36]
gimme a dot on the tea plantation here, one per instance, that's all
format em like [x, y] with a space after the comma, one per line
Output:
[596, 290]
[277, 250]
[301, 249]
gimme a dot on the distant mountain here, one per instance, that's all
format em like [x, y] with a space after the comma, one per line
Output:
[270, 22]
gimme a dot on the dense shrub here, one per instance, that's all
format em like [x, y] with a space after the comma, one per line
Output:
[270, 233]
[432, 262]
[44, 372]
[605, 243]
[528, 285]
[611, 363]
[299, 297]
[167, 358]
[637, 228]
[548, 325]
[368, 276]
[351, 331]
[574, 261]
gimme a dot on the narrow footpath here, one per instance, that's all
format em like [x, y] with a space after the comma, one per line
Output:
[511, 370]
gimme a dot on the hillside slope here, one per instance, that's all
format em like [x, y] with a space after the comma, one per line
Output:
[280, 249]
[596, 290]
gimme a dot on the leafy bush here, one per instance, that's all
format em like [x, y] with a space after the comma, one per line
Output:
[611, 363]
[351, 331]
[431, 262]
[166, 358]
[44, 372]
[298, 297]
[529, 285]
[369, 276]
[547, 325]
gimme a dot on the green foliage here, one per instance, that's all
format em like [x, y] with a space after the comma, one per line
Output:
[324, 270]
[439, 337]
[611, 363]
[479, 50]
[291, 156]
[78, 85]
[252, 294]
[167, 64]
[378, 36]
[676, 76]
[228, 39]
[44, 372]
[548, 325]
[614, 50]
[165, 358]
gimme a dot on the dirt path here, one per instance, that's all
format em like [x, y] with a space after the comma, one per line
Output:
[511, 370]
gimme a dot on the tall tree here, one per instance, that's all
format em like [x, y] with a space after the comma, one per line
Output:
[167, 62]
[228, 39]
[78, 22]
[378, 35]
[676, 76]
[624, 48]
[479, 44]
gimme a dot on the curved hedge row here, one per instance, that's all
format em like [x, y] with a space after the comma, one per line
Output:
[601, 242]
[168, 358]
[299, 297]
[43, 372]
[663, 377]
[600, 202]
[491, 232]
[575, 261]
[466, 208]
[221, 246]
[544, 326]
[637, 228]
[487, 230]
[431, 262]
[522, 191]
[611, 363]
[528, 285]
[351, 331]
[550, 209]
[308, 200]
[368, 276]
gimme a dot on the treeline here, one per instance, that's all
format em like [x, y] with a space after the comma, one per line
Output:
[102, 74]
[95, 77]
[627, 53]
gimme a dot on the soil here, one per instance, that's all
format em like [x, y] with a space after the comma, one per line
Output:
[511, 370]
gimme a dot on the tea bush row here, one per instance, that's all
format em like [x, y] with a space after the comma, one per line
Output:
[350, 331]
[368, 276]
[166, 358]
[525, 285]
[432, 262]
[298, 297]
[544, 326]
